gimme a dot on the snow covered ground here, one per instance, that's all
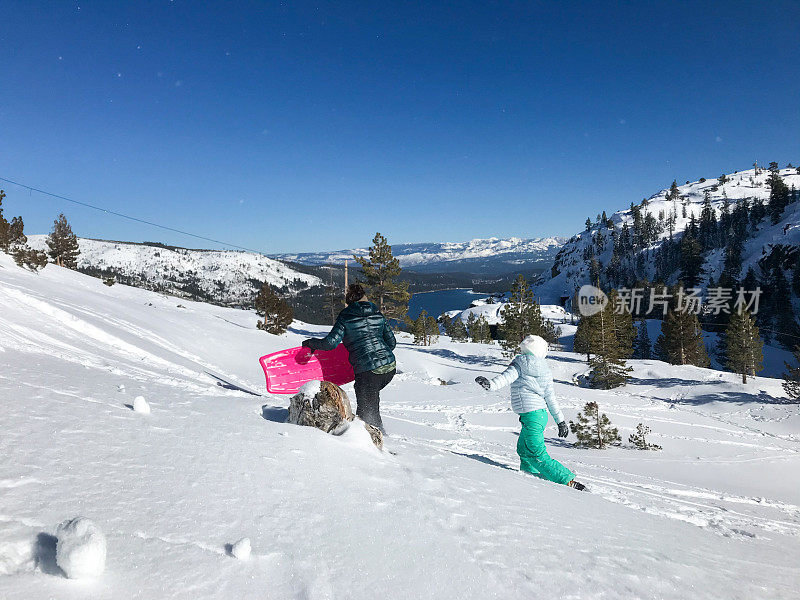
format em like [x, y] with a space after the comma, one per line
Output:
[716, 514]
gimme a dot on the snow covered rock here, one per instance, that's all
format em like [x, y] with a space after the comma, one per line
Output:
[241, 549]
[81, 548]
[323, 405]
[140, 405]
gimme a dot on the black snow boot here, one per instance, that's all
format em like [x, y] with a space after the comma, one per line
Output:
[578, 486]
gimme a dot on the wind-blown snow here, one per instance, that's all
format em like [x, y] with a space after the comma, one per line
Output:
[716, 514]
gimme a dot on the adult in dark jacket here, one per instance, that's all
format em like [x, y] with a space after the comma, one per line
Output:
[363, 330]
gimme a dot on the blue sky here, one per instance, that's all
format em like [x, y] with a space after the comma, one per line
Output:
[302, 127]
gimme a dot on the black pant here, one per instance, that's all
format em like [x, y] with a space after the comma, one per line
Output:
[368, 396]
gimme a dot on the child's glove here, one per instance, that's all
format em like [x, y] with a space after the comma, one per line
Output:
[563, 430]
[482, 381]
[308, 344]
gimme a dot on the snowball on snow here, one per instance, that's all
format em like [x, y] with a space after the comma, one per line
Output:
[140, 405]
[241, 549]
[81, 548]
[311, 389]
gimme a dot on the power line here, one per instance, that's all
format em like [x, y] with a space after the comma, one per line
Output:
[130, 218]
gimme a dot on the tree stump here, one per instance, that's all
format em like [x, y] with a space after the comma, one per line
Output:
[325, 405]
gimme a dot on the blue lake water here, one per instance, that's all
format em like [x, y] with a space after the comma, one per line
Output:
[436, 303]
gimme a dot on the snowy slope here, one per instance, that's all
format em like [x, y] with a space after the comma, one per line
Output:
[227, 277]
[573, 270]
[716, 514]
[479, 255]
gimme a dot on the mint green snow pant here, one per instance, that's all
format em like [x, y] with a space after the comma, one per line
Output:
[533, 456]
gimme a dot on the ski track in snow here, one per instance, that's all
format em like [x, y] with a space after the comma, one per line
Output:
[654, 496]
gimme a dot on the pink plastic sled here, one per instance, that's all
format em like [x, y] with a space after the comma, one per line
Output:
[286, 371]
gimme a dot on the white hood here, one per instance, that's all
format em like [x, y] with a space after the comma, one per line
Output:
[533, 344]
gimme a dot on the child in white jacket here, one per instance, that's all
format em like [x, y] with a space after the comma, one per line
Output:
[531, 397]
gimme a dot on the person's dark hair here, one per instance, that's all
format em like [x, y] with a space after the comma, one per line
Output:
[355, 292]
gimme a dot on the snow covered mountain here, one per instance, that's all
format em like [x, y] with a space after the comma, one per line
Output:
[572, 264]
[231, 278]
[484, 256]
[714, 515]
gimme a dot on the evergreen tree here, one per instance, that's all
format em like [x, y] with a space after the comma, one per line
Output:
[588, 224]
[743, 346]
[779, 196]
[25, 256]
[381, 272]
[791, 379]
[522, 316]
[757, 213]
[582, 341]
[707, 230]
[15, 234]
[673, 193]
[11, 234]
[63, 244]
[593, 429]
[643, 348]
[681, 340]
[639, 440]
[608, 369]
[455, 328]
[479, 330]
[276, 314]
[624, 329]
[425, 329]
[691, 261]
[4, 225]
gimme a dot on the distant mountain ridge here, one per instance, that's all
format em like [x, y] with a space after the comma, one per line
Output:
[492, 256]
[764, 241]
[230, 278]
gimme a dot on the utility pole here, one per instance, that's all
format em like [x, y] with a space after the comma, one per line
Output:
[345, 280]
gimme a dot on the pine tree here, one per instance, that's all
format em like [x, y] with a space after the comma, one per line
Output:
[479, 330]
[584, 334]
[779, 196]
[691, 260]
[25, 256]
[791, 379]
[681, 340]
[608, 364]
[743, 346]
[622, 323]
[522, 316]
[381, 272]
[593, 429]
[11, 234]
[63, 244]
[639, 441]
[643, 347]
[276, 313]
[425, 329]
[707, 230]
[455, 329]
[673, 193]
[4, 225]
